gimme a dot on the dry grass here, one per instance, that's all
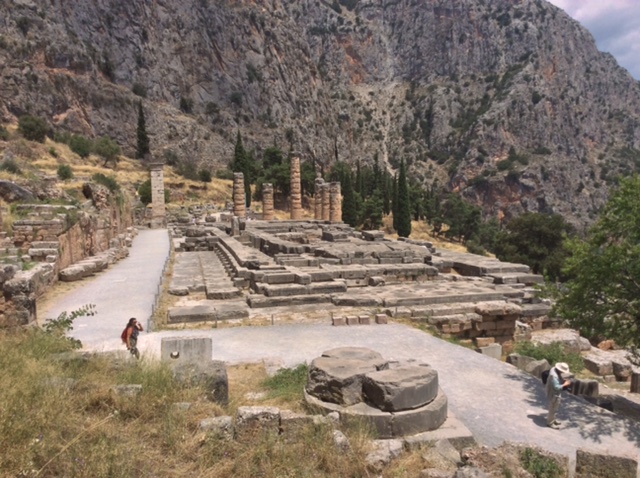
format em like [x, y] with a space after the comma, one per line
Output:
[63, 418]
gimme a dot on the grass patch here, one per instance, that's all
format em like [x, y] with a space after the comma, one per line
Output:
[538, 465]
[288, 383]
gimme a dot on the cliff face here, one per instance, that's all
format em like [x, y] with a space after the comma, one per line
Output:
[508, 101]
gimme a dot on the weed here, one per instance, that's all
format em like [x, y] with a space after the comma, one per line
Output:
[65, 172]
[11, 166]
[288, 383]
[538, 465]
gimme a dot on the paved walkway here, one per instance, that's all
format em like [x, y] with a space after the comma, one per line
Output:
[493, 399]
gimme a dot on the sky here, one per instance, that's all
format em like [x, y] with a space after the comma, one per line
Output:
[615, 24]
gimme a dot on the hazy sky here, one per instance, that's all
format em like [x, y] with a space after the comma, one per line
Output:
[615, 24]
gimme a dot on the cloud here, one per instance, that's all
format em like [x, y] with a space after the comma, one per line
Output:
[615, 24]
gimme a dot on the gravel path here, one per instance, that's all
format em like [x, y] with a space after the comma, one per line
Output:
[493, 399]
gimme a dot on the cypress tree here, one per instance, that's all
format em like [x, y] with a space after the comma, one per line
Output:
[243, 163]
[142, 148]
[394, 201]
[403, 204]
[349, 207]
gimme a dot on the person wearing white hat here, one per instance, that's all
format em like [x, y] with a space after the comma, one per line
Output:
[556, 383]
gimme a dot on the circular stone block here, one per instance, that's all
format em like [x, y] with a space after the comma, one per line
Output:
[357, 353]
[337, 380]
[402, 388]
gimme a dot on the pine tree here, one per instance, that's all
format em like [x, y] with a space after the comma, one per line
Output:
[143, 140]
[403, 206]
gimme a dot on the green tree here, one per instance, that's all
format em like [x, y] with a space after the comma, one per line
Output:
[372, 212]
[204, 175]
[107, 149]
[404, 203]
[244, 162]
[80, 145]
[349, 205]
[602, 296]
[142, 148]
[144, 192]
[536, 240]
[33, 128]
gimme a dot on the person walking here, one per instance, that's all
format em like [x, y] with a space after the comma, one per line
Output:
[130, 336]
[556, 383]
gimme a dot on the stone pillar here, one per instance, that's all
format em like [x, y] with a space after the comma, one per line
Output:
[267, 202]
[325, 202]
[158, 212]
[317, 199]
[296, 195]
[239, 198]
[335, 206]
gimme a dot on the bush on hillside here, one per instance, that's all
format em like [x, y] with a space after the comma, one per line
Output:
[108, 181]
[65, 172]
[11, 166]
[553, 353]
[33, 128]
[80, 145]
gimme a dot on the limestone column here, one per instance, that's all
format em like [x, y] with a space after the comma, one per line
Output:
[158, 211]
[325, 202]
[267, 202]
[335, 206]
[296, 196]
[317, 199]
[239, 199]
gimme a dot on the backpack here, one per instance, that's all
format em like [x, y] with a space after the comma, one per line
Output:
[545, 376]
[123, 335]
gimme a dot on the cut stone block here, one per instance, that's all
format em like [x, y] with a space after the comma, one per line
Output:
[381, 318]
[428, 417]
[211, 374]
[338, 321]
[493, 351]
[364, 320]
[595, 465]
[186, 349]
[402, 388]
[253, 420]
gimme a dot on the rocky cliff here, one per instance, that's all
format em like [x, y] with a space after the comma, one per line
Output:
[507, 101]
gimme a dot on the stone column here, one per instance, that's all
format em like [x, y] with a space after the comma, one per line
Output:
[296, 196]
[325, 202]
[239, 198]
[317, 199]
[158, 212]
[267, 202]
[335, 206]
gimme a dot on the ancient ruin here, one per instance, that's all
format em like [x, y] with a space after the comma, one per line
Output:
[296, 190]
[158, 213]
[273, 264]
[239, 197]
[267, 202]
[397, 399]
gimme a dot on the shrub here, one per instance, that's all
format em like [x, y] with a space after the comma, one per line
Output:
[10, 165]
[33, 128]
[224, 174]
[4, 134]
[144, 192]
[553, 353]
[186, 105]
[53, 152]
[80, 145]
[108, 181]
[65, 172]
[106, 148]
[204, 175]
[139, 90]
[538, 465]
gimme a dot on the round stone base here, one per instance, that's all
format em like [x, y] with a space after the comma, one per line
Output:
[391, 424]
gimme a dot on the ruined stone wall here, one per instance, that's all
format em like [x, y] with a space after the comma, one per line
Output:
[56, 237]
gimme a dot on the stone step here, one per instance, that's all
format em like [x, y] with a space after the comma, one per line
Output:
[260, 301]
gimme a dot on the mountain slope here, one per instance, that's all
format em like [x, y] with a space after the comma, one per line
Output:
[507, 101]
